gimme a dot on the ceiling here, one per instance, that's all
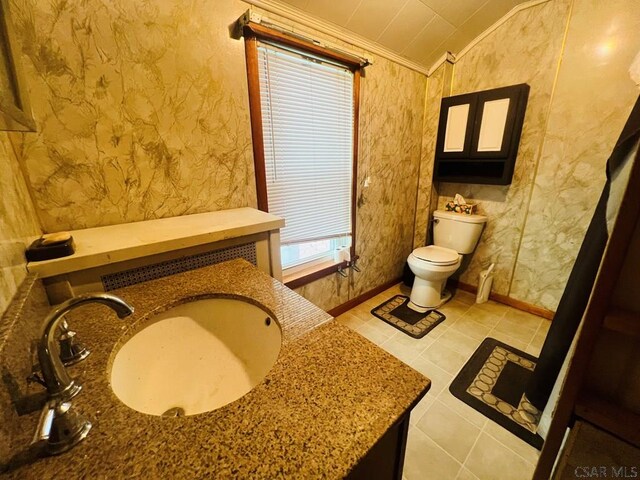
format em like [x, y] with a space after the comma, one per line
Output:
[419, 30]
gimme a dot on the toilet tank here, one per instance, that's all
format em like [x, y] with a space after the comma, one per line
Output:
[457, 231]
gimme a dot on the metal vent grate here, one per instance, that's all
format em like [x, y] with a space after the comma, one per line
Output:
[170, 267]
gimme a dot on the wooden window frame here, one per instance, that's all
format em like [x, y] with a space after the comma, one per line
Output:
[253, 33]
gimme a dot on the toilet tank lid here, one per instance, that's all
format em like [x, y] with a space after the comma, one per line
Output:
[460, 217]
[437, 255]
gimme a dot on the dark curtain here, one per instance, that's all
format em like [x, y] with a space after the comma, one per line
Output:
[576, 294]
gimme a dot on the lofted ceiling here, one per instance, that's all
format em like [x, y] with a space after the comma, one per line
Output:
[419, 30]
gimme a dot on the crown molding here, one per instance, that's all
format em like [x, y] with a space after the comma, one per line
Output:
[302, 18]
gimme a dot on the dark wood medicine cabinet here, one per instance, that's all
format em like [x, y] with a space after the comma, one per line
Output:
[479, 134]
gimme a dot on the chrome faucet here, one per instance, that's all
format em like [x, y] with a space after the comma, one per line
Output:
[58, 382]
[60, 427]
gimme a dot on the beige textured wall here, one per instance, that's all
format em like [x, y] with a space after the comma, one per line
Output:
[146, 119]
[575, 56]
[18, 223]
[142, 112]
[392, 108]
[438, 86]
[141, 107]
[525, 49]
[592, 99]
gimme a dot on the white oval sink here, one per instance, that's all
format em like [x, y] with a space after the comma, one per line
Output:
[196, 357]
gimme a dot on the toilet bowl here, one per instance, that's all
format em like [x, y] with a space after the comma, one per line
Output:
[454, 234]
[432, 267]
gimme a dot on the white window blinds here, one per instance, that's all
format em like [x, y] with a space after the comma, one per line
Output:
[307, 122]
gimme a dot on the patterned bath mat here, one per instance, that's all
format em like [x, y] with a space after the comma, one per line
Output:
[397, 313]
[493, 383]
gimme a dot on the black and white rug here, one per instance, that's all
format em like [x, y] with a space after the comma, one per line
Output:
[396, 313]
[493, 382]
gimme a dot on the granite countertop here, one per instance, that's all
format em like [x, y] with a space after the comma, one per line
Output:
[330, 396]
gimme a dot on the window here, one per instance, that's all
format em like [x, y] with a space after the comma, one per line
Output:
[304, 123]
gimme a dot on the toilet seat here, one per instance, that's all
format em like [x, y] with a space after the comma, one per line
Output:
[437, 255]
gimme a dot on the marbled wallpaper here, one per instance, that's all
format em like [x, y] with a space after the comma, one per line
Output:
[141, 108]
[142, 112]
[592, 100]
[18, 223]
[525, 49]
[575, 55]
[438, 85]
[389, 155]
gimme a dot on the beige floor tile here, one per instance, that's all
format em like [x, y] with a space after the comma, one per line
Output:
[545, 325]
[372, 334]
[449, 430]
[372, 303]
[531, 350]
[459, 443]
[400, 351]
[362, 312]
[448, 360]
[350, 320]
[467, 326]
[483, 317]
[512, 442]
[440, 379]
[406, 348]
[438, 330]
[420, 409]
[538, 339]
[523, 334]
[454, 309]
[503, 337]
[464, 297]
[425, 460]
[465, 474]
[523, 319]
[462, 409]
[376, 301]
[459, 342]
[494, 308]
[395, 290]
[490, 460]
[382, 327]
[418, 343]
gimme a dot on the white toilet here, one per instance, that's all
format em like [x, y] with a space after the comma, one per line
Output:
[454, 234]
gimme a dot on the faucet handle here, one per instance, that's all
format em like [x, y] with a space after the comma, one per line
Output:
[45, 422]
[71, 351]
[60, 427]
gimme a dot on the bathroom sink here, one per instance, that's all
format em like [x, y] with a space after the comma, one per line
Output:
[196, 357]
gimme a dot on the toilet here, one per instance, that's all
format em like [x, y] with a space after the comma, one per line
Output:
[454, 235]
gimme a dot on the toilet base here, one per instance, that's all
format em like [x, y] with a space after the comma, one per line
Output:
[427, 295]
[446, 296]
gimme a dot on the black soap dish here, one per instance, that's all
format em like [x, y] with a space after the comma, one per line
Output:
[51, 246]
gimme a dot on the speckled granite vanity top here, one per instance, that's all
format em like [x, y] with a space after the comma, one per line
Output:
[330, 396]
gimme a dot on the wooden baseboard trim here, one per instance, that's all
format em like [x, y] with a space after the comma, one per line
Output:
[354, 302]
[512, 302]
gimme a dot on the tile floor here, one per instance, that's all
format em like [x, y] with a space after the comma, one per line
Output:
[447, 438]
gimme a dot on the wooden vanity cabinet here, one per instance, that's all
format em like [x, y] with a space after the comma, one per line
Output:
[385, 460]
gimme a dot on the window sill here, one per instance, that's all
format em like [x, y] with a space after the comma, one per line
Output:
[314, 272]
